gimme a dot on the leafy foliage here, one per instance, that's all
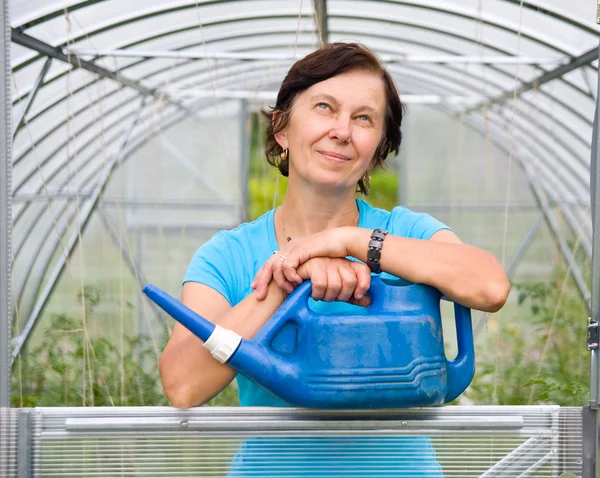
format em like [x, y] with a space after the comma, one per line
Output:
[545, 359]
[70, 368]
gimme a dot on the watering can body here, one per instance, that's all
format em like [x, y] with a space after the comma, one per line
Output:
[388, 355]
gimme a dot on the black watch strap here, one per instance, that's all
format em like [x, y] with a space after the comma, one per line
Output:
[374, 252]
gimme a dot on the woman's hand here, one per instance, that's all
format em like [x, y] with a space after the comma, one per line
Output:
[333, 279]
[284, 264]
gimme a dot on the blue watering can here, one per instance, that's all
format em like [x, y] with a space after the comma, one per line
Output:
[388, 355]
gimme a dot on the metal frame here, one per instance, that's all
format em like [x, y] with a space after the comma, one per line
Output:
[5, 208]
[591, 430]
[32, 94]
[51, 52]
[84, 217]
[284, 57]
[546, 432]
[558, 72]
[321, 20]
[126, 151]
[129, 259]
[512, 267]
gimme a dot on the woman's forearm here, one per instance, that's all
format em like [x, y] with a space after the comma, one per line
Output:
[469, 275]
[190, 375]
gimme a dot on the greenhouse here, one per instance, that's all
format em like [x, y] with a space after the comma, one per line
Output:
[134, 132]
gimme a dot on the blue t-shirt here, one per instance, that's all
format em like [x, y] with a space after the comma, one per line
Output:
[228, 263]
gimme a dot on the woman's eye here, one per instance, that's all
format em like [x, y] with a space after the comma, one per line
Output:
[364, 118]
[322, 106]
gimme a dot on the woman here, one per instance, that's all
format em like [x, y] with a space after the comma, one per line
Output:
[337, 117]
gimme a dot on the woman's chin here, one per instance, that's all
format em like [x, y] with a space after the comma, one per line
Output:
[334, 180]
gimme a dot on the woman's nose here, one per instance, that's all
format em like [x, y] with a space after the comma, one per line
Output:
[340, 130]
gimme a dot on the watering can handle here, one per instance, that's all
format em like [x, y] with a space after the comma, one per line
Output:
[298, 301]
[462, 368]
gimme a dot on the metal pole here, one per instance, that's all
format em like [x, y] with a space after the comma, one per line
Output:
[284, 57]
[24, 468]
[6, 438]
[132, 263]
[552, 223]
[5, 208]
[37, 45]
[595, 203]
[512, 267]
[591, 428]
[562, 70]
[321, 20]
[245, 157]
[32, 94]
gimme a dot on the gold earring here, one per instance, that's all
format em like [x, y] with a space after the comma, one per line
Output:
[284, 154]
[367, 176]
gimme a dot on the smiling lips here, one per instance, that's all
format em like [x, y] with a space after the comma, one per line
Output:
[334, 156]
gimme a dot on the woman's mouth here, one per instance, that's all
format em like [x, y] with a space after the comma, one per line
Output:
[334, 157]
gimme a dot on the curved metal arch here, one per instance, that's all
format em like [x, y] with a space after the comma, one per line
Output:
[574, 269]
[45, 260]
[132, 147]
[387, 37]
[46, 134]
[195, 5]
[439, 30]
[134, 19]
[563, 164]
[83, 87]
[51, 154]
[85, 162]
[550, 179]
[500, 71]
[521, 121]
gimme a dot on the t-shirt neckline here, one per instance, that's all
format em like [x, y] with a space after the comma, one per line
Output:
[271, 223]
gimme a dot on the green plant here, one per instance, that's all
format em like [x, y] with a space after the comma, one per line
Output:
[544, 358]
[71, 368]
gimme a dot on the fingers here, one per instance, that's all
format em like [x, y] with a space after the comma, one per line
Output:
[334, 284]
[364, 302]
[318, 278]
[261, 281]
[348, 282]
[363, 279]
[271, 270]
[282, 281]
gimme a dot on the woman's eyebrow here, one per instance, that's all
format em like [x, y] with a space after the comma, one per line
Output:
[324, 96]
[331, 99]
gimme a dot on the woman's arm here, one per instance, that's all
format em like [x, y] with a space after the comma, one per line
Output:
[466, 274]
[190, 375]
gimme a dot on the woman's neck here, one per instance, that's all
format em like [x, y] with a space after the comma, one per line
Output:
[302, 215]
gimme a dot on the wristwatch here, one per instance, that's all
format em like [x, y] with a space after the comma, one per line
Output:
[374, 252]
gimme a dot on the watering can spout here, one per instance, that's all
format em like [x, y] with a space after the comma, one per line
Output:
[195, 323]
[224, 345]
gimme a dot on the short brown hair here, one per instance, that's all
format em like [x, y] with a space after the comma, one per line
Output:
[328, 61]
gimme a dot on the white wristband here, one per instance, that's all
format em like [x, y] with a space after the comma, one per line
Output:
[222, 343]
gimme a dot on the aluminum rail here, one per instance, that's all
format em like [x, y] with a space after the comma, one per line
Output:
[32, 94]
[285, 57]
[5, 208]
[558, 72]
[52, 52]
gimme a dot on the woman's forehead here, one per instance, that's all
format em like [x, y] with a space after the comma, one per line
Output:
[355, 88]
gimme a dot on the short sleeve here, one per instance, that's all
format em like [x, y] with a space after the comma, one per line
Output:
[211, 266]
[414, 225]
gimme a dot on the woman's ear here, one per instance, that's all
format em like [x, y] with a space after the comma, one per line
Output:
[280, 136]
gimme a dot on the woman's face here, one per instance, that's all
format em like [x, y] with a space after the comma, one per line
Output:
[334, 129]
